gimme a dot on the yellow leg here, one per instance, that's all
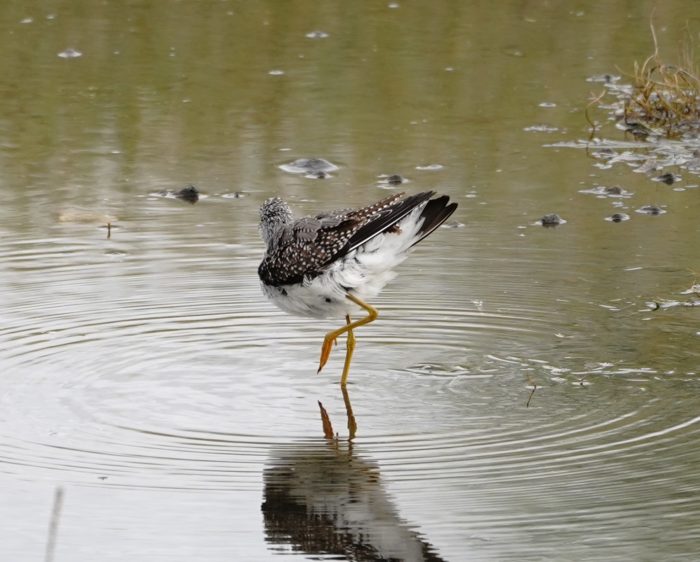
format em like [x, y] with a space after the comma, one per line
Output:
[349, 327]
[348, 353]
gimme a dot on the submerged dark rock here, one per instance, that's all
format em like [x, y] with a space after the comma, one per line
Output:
[391, 180]
[613, 191]
[551, 219]
[638, 130]
[651, 210]
[310, 166]
[395, 179]
[668, 179]
[189, 194]
[619, 217]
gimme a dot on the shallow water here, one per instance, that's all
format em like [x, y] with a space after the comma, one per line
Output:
[527, 393]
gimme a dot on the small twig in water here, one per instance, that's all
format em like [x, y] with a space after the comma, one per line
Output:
[532, 392]
[594, 128]
[109, 230]
[53, 524]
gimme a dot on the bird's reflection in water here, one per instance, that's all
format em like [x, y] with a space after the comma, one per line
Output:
[322, 498]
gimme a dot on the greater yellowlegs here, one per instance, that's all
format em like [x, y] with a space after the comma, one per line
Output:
[328, 265]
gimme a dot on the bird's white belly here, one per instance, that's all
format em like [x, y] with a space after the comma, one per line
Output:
[324, 296]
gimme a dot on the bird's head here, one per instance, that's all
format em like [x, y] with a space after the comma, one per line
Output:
[274, 215]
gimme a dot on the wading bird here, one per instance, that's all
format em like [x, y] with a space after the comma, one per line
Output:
[328, 265]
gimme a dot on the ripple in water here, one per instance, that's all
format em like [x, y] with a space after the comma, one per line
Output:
[159, 366]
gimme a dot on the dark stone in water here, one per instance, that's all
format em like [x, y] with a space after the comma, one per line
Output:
[619, 217]
[650, 210]
[310, 166]
[189, 194]
[637, 129]
[613, 190]
[668, 179]
[551, 220]
[316, 165]
[395, 179]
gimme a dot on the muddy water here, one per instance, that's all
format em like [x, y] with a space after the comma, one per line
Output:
[528, 393]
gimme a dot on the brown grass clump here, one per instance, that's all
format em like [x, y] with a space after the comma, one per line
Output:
[665, 97]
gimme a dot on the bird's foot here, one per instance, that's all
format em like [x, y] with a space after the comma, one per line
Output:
[328, 343]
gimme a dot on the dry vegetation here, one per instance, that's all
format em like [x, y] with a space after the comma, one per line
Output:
[663, 99]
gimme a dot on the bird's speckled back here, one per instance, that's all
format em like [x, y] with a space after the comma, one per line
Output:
[302, 247]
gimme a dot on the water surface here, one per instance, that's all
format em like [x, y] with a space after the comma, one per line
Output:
[521, 396]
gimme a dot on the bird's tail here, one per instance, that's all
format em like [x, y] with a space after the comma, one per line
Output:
[435, 212]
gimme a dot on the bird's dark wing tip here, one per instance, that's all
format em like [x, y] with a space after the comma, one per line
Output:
[436, 212]
[386, 219]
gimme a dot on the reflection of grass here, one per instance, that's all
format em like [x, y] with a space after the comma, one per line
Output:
[665, 96]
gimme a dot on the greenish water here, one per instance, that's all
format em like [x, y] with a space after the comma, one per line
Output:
[147, 376]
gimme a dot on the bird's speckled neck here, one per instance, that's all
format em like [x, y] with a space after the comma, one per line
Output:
[274, 215]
